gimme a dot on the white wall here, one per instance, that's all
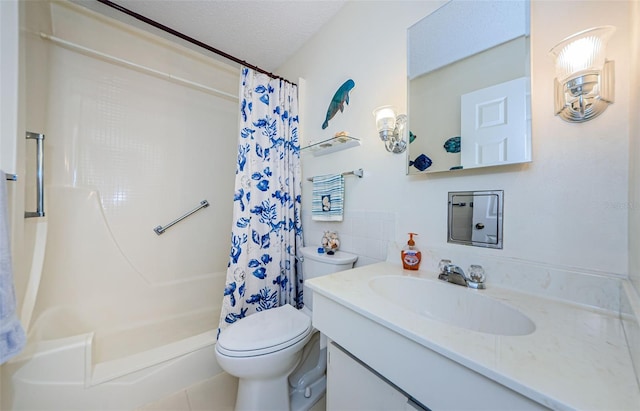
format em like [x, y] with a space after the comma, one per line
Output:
[566, 209]
[632, 327]
[634, 151]
[8, 84]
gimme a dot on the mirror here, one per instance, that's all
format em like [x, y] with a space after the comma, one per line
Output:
[475, 218]
[469, 87]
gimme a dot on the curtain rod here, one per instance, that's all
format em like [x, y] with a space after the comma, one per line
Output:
[189, 39]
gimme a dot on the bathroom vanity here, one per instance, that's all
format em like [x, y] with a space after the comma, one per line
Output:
[405, 340]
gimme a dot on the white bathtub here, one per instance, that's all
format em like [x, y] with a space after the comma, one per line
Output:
[101, 334]
[111, 369]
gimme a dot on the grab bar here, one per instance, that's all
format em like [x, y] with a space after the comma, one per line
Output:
[39, 175]
[160, 229]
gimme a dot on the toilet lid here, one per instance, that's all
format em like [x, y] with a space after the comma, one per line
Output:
[264, 332]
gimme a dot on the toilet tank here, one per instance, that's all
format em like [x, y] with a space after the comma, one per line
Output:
[316, 265]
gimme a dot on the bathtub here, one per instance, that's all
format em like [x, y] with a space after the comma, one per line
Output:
[111, 369]
[102, 334]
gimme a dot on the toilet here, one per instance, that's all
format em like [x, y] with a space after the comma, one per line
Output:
[278, 357]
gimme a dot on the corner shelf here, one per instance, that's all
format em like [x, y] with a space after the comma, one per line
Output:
[331, 145]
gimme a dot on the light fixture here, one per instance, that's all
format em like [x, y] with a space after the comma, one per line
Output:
[391, 128]
[585, 80]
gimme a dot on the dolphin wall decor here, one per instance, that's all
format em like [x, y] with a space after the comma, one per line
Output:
[338, 100]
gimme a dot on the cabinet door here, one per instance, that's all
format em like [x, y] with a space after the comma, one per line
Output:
[351, 386]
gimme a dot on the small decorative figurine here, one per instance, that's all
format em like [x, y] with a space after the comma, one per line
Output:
[330, 242]
[338, 100]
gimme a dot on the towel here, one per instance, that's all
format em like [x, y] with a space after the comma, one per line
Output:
[12, 338]
[328, 198]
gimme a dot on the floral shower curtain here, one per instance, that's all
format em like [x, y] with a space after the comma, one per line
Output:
[267, 229]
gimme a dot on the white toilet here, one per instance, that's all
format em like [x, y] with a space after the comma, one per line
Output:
[265, 349]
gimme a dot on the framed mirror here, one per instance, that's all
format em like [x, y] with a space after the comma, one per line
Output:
[475, 218]
[469, 72]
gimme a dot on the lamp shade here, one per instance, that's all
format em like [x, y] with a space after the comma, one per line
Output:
[385, 118]
[581, 52]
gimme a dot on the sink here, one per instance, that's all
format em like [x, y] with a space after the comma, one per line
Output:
[452, 304]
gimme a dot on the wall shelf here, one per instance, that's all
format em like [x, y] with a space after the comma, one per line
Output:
[331, 145]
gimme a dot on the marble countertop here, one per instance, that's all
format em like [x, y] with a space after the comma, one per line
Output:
[576, 358]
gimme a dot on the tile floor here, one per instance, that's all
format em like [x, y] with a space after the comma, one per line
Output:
[215, 394]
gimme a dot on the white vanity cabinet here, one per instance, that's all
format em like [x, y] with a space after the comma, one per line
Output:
[434, 381]
[395, 348]
[353, 386]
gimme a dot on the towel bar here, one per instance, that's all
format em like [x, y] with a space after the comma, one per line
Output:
[160, 229]
[359, 173]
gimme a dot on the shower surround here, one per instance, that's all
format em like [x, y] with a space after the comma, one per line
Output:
[119, 316]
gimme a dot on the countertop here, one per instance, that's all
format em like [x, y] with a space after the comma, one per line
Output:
[577, 358]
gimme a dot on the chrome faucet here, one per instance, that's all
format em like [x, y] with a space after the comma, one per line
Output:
[454, 274]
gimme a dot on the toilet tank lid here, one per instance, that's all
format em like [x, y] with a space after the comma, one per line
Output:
[340, 257]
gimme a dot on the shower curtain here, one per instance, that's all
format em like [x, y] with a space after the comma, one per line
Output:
[267, 230]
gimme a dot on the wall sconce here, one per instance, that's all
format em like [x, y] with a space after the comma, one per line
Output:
[585, 80]
[391, 128]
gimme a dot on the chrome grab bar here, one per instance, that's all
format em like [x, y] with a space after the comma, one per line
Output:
[160, 229]
[39, 175]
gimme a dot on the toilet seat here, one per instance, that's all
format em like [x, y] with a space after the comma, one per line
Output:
[264, 332]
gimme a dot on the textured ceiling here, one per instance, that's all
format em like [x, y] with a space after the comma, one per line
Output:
[261, 32]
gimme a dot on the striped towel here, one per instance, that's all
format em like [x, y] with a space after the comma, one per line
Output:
[328, 198]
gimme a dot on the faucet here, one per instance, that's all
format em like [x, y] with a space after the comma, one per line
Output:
[454, 274]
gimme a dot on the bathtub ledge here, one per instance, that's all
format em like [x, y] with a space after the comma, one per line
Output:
[111, 370]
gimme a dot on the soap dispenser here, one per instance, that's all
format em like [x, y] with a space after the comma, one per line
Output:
[411, 256]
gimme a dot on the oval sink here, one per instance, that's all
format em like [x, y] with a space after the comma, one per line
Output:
[453, 304]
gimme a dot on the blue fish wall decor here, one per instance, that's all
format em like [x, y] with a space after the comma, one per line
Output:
[452, 145]
[338, 100]
[422, 162]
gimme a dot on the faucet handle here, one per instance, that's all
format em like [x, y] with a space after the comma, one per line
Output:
[442, 264]
[477, 276]
[476, 273]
